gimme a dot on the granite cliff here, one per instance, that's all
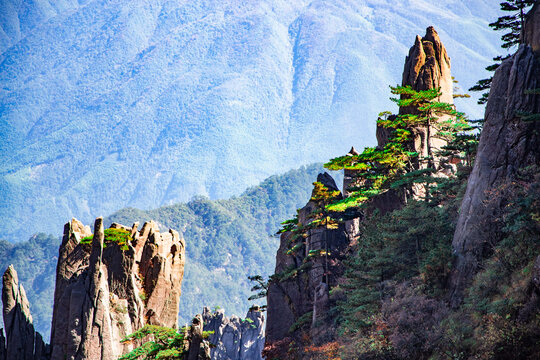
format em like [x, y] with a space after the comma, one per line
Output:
[21, 342]
[108, 289]
[508, 144]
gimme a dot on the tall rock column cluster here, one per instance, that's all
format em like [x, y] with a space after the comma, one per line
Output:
[108, 286]
[235, 338]
[300, 302]
[106, 290]
[507, 144]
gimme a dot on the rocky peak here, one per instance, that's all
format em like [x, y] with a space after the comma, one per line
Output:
[328, 181]
[235, 338]
[507, 144]
[428, 66]
[196, 346]
[111, 285]
[22, 341]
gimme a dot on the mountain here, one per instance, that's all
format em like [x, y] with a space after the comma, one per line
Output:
[226, 240]
[112, 103]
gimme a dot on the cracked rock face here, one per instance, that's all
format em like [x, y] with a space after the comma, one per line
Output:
[21, 341]
[235, 338]
[104, 292]
[507, 144]
[306, 294]
[428, 67]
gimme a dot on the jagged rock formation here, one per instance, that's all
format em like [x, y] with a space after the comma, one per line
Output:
[507, 144]
[196, 346]
[301, 302]
[21, 342]
[426, 67]
[105, 291]
[235, 338]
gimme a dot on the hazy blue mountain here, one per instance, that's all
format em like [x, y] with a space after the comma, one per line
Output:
[113, 103]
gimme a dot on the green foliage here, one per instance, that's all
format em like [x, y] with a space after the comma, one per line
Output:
[414, 241]
[302, 321]
[164, 343]
[112, 236]
[260, 288]
[161, 343]
[396, 164]
[512, 25]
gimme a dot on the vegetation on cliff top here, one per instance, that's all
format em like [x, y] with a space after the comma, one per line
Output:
[112, 236]
[397, 163]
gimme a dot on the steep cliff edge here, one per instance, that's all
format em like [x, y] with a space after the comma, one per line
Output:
[112, 283]
[21, 342]
[235, 338]
[507, 144]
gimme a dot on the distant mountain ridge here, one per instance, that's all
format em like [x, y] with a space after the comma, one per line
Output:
[113, 103]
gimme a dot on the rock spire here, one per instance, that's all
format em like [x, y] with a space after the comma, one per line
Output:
[22, 342]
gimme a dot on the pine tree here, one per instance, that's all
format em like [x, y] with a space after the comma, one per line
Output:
[380, 169]
[512, 24]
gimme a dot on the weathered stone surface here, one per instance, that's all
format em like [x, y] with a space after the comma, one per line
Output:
[235, 338]
[21, 341]
[507, 144]
[307, 291]
[428, 67]
[104, 292]
[531, 30]
[196, 346]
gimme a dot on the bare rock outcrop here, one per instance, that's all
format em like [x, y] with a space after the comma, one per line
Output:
[507, 144]
[196, 346]
[107, 288]
[235, 338]
[22, 342]
[298, 296]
